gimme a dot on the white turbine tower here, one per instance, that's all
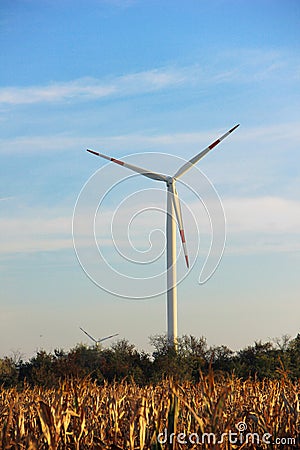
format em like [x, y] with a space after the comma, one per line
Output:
[97, 341]
[173, 211]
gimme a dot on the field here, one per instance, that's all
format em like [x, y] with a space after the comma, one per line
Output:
[217, 413]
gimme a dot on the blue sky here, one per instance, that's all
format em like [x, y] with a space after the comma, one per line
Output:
[148, 78]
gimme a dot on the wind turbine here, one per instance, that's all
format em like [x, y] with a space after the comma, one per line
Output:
[173, 210]
[97, 341]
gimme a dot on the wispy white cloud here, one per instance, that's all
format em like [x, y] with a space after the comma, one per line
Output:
[54, 92]
[270, 215]
[34, 231]
[243, 66]
[91, 88]
[3, 199]
[277, 134]
[262, 225]
[254, 225]
[258, 225]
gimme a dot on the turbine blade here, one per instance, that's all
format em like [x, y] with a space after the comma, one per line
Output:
[146, 173]
[91, 337]
[177, 208]
[107, 337]
[200, 155]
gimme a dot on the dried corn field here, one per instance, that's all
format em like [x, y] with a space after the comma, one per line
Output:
[216, 413]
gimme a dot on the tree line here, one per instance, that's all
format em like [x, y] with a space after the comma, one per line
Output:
[123, 360]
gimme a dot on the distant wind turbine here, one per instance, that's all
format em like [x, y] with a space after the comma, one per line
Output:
[97, 341]
[173, 210]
